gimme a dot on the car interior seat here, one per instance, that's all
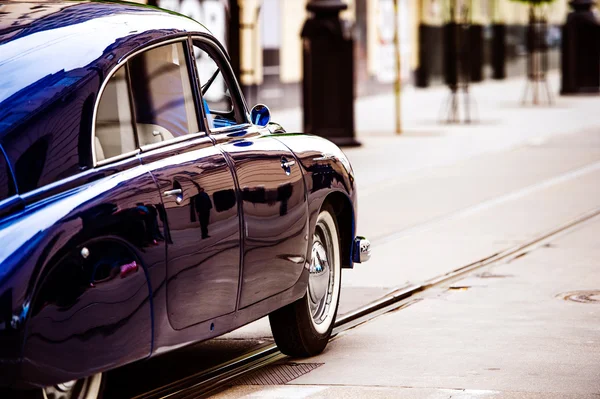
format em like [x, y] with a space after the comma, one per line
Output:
[98, 149]
[114, 129]
[163, 103]
[164, 100]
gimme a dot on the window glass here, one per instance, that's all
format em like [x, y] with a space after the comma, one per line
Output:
[7, 187]
[215, 91]
[114, 127]
[162, 94]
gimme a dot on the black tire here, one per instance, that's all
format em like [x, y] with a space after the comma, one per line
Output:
[304, 327]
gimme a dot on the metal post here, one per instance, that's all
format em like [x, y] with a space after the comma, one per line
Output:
[233, 38]
[498, 56]
[398, 83]
[249, 62]
[422, 72]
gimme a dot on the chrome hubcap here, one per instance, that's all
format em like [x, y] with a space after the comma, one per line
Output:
[321, 277]
[87, 388]
[66, 386]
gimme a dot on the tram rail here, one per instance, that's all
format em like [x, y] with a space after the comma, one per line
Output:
[216, 378]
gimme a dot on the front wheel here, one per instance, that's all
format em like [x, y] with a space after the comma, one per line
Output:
[303, 328]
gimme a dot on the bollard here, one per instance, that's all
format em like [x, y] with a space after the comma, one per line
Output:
[475, 33]
[423, 72]
[455, 58]
[328, 65]
[498, 51]
[580, 48]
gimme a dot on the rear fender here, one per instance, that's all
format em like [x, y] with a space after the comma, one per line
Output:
[72, 257]
[91, 311]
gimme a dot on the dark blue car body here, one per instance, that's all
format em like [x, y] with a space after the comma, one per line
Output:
[97, 267]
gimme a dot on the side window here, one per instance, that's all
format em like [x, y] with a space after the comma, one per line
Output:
[162, 94]
[216, 93]
[7, 186]
[114, 124]
[146, 101]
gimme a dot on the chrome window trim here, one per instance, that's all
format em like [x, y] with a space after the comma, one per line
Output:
[121, 63]
[232, 128]
[10, 199]
[119, 157]
[49, 187]
[211, 42]
[13, 175]
[160, 144]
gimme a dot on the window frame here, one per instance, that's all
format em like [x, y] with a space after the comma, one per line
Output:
[215, 50]
[12, 178]
[14, 202]
[124, 63]
[126, 160]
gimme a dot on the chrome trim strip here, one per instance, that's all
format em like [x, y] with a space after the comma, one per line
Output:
[233, 128]
[118, 157]
[67, 180]
[324, 157]
[160, 144]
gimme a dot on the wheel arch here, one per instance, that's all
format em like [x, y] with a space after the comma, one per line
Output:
[345, 220]
[329, 179]
[61, 267]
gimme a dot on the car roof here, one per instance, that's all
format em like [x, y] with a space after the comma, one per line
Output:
[47, 47]
[21, 18]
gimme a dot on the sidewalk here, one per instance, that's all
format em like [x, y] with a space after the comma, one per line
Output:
[504, 332]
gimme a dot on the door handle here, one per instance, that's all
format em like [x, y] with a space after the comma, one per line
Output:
[177, 192]
[287, 165]
[170, 193]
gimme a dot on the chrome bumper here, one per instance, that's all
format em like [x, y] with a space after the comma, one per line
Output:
[361, 252]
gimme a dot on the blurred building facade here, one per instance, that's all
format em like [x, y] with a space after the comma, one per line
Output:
[270, 47]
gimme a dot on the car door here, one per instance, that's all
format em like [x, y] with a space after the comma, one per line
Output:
[93, 301]
[270, 183]
[196, 185]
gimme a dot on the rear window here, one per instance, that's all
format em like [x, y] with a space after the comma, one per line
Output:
[7, 187]
[147, 101]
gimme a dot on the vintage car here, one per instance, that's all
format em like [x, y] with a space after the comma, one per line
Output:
[143, 207]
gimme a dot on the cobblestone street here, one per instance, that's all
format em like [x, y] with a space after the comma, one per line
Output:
[461, 194]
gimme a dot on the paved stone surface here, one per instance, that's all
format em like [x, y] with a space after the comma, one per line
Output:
[509, 337]
[323, 392]
[432, 200]
[443, 196]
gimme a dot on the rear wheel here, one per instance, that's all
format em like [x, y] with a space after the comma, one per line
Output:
[86, 388]
[303, 328]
